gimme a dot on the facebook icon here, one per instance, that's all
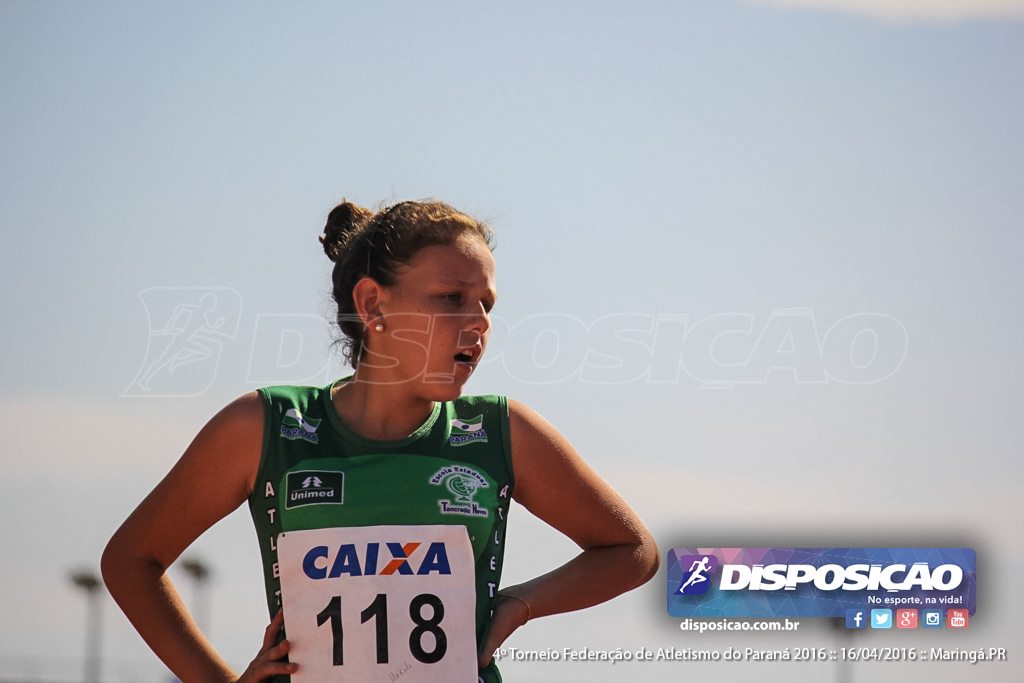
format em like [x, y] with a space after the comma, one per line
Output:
[855, 618]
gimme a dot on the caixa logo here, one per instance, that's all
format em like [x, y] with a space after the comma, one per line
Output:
[816, 582]
[369, 559]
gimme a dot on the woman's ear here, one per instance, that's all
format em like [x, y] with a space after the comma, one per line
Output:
[366, 296]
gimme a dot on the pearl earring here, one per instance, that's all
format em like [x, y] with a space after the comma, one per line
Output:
[379, 327]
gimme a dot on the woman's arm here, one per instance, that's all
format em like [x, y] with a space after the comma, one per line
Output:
[212, 478]
[556, 485]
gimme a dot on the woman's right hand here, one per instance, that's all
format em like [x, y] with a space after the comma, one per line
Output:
[268, 661]
[212, 478]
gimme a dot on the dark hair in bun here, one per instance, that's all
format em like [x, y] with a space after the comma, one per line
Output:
[362, 243]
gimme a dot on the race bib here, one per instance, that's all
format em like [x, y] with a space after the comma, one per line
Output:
[380, 604]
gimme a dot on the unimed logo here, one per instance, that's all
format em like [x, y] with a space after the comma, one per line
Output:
[314, 487]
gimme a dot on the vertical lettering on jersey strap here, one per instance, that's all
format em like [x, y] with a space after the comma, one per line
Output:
[270, 499]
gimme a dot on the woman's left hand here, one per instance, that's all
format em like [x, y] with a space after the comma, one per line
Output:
[509, 614]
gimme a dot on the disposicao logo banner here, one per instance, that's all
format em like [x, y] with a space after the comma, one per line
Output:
[817, 582]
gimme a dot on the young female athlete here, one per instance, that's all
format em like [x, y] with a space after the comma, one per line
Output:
[380, 500]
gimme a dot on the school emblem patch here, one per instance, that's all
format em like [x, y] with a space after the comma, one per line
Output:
[462, 483]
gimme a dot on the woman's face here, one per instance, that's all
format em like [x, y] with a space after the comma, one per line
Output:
[436, 318]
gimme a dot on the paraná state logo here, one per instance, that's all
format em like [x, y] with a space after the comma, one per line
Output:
[467, 431]
[295, 425]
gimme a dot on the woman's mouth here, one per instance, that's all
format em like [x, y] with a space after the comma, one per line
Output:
[469, 356]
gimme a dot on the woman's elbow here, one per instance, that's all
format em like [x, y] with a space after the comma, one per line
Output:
[648, 559]
[112, 563]
[121, 562]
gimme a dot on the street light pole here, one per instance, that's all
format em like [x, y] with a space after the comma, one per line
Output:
[200, 573]
[91, 584]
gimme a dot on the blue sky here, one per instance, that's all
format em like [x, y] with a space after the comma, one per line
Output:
[777, 246]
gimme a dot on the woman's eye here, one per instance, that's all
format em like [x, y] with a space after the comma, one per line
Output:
[453, 297]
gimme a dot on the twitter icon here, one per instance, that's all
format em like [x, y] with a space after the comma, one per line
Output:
[881, 618]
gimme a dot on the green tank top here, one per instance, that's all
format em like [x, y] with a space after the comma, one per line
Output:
[315, 473]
